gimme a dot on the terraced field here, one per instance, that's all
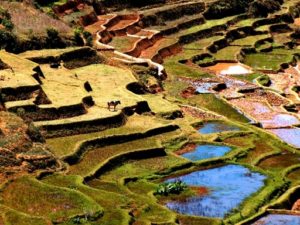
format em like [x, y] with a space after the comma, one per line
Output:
[211, 104]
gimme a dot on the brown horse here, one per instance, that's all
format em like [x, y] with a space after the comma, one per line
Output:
[113, 104]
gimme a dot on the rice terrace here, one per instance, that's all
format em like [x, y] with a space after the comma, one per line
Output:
[150, 112]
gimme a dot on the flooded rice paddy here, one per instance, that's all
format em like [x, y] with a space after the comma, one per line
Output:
[206, 152]
[228, 186]
[216, 127]
[289, 135]
[277, 219]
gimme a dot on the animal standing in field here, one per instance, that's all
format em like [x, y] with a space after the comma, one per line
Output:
[56, 65]
[113, 104]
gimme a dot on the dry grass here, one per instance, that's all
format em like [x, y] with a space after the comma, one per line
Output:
[29, 21]
[21, 73]
[53, 202]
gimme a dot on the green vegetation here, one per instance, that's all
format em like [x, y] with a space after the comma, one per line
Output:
[264, 80]
[54, 202]
[170, 188]
[270, 60]
[5, 19]
[215, 104]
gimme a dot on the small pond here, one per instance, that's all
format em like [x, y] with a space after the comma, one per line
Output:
[206, 152]
[204, 88]
[277, 219]
[289, 135]
[215, 127]
[227, 187]
[280, 120]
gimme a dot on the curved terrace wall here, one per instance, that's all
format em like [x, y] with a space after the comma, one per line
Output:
[172, 14]
[112, 140]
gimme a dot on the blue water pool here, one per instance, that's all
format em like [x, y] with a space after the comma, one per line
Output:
[228, 186]
[206, 152]
[215, 127]
[277, 219]
[289, 135]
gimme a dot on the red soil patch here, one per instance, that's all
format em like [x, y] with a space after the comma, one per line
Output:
[187, 148]
[296, 206]
[151, 51]
[95, 27]
[219, 67]
[145, 33]
[188, 92]
[200, 191]
[197, 113]
[272, 98]
[297, 22]
[121, 25]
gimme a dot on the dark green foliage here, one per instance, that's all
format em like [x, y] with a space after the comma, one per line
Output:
[128, 3]
[77, 37]
[4, 13]
[225, 8]
[53, 39]
[264, 7]
[171, 188]
[44, 2]
[34, 133]
[8, 24]
[5, 19]
[264, 80]
[88, 37]
[296, 34]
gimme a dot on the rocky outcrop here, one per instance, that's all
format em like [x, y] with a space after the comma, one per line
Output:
[22, 148]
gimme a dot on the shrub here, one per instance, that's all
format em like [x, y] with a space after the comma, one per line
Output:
[225, 8]
[264, 80]
[5, 19]
[53, 39]
[171, 188]
[77, 36]
[34, 133]
[8, 24]
[264, 7]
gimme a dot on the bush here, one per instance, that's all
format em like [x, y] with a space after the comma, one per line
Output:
[53, 39]
[5, 19]
[77, 36]
[264, 7]
[171, 188]
[88, 37]
[264, 80]
[223, 8]
[8, 24]
[35, 134]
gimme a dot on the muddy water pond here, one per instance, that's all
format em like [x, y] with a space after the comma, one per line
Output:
[277, 219]
[289, 135]
[216, 127]
[228, 186]
[206, 152]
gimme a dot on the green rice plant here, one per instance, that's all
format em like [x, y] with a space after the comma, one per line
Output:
[171, 188]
